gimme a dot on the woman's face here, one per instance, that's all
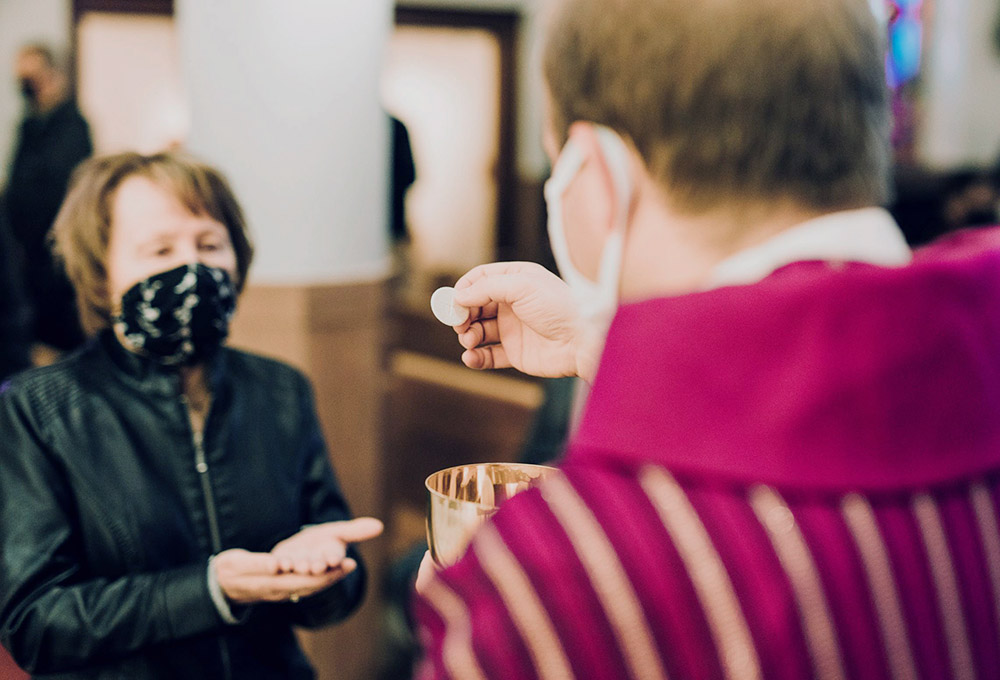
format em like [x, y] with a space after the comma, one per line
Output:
[153, 232]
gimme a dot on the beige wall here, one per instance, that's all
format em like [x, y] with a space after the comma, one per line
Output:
[962, 85]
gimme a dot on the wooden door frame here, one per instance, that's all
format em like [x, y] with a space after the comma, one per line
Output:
[162, 7]
[505, 25]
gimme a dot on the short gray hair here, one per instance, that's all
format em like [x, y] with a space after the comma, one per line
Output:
[732, 102]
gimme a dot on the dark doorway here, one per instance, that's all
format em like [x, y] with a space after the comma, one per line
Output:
[502, 27]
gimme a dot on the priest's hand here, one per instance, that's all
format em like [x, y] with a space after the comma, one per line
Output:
[523, 316]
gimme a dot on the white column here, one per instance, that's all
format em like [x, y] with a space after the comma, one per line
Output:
[284, 100]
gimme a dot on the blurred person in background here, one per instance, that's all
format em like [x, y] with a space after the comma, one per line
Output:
[15, 346]
[52, 139]
[788, 464]
[167, 505]
[402, 177]
[929, 203]
[970, 199]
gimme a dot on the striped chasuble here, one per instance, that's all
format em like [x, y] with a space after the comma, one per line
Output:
[794, 479]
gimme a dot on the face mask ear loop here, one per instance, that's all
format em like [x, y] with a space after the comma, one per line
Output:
[617, 160]
[570, 161]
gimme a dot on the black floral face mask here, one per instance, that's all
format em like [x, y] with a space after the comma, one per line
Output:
[178, 317]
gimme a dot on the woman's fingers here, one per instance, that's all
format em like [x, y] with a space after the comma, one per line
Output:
[288, 586]
[301, 564]
[334, 555]
[355, 530]
[247, 577]
[314, 563]
[304, 586]
[238, 561]
[319, 548]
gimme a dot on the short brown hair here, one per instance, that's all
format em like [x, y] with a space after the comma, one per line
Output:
[82, 229]
[732, 101]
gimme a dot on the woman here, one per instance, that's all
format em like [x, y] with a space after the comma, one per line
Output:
[156, 484]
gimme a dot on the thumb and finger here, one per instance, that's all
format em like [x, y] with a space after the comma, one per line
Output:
[355, 530]
[494, 269]
[321, 547]
[303, 585]
[485, 332]
[500, 286]
[486, 358]
[250, 588]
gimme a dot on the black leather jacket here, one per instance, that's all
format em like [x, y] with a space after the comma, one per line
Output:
[110, 509]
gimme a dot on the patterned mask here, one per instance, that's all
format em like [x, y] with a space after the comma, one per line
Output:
[179, 316]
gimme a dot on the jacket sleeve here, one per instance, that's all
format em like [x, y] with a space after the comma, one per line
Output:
[54, 617]
[322, 501]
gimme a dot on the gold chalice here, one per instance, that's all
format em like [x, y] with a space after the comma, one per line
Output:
[461, 498]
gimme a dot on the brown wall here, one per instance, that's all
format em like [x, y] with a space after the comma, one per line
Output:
[396, 405]
[335, 335]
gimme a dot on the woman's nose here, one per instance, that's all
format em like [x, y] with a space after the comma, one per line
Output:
[189, 253]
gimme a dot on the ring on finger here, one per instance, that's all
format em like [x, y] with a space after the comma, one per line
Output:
[294, 598]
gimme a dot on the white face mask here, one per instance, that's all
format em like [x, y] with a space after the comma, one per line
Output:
[597, 301]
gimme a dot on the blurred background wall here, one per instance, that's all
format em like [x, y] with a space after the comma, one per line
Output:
[961, 85]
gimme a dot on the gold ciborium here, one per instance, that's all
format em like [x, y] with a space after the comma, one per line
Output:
[461, 498]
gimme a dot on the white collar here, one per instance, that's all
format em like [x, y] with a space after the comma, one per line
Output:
[868, 235]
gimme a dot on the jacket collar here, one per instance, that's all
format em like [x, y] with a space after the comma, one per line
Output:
[150, 376]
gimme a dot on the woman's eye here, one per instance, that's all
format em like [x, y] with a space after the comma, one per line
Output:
[162, 252]
[209, 247]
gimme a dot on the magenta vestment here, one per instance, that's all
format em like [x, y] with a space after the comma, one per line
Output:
[791, 479]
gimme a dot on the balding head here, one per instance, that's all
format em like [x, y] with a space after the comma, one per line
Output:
[732, 101]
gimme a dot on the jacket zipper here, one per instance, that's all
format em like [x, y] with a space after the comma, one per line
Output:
[201, 467]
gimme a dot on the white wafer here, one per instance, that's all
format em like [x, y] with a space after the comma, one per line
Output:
[444, 307]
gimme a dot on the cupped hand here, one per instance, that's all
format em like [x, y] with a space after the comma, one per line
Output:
[247, 577]
[321, 547]
[523, 316]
